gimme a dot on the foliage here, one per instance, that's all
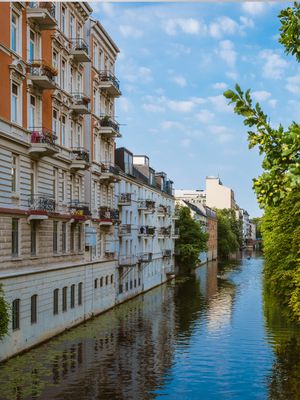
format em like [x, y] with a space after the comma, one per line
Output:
[257, 221]
[4, 315]
[290, 30]
[192, 239]
[229, 233]
[281, 149]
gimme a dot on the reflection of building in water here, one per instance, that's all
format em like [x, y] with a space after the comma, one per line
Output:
[122, 353]
[219, 294]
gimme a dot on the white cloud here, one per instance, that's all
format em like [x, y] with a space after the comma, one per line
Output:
[178, 49]
[232, 75]
[274, 65]
[246, 22]
[129, 31]
[205, 116]
[273, 103]
[153, 107]
[181, 105]
[223, 25]
[179, 80]
[227, 53]
[166, 125]
[186, 142]
[221, 133]
[254, 7]
[293, 84]
[132, 73]
[185, 25]
[124, 104]
[220, 85]
[220, 103]
[108, 9]
[261, 95]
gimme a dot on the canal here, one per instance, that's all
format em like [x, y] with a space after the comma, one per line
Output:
[215, 335]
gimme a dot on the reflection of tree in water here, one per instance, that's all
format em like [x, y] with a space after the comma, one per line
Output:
[284, 379]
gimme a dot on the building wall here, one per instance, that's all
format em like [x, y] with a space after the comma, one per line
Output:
[217, 195]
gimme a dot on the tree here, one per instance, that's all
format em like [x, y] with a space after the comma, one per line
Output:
[277, 188]
[192, 240]
[229, 233]
[4, 316]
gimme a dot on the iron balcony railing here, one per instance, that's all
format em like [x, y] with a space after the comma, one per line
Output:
[162, 209]
[146, 230]
[145, 257]
[43, 135]
[107, 121]
[175, 232]
[165, 231]
[124, 198]
[124, 229]
[146, 204]
[109, 167]
[42, 68]
[167, 253]
[80, 98]
[79, 44]
[127, 260]
[78, 208]
[107, 76]
[80, 153]
[106, 213]
[41, 202]
[49, 6]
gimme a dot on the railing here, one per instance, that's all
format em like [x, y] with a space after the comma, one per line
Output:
[167, 253]
[80, 153]
[79, 44]
[109, 167]
[175, 232]
[42, 135]
[106, 213]
[124, 229]
[108, 122]
[80, 98]
[162, 209]
[78, 208]
[124, 198]
[42, 68]
[49, 6]
[107, 76]
[127, 260]
[145, 257]
[41, 202]
[165, 231]
[146, 230]
[148, 204]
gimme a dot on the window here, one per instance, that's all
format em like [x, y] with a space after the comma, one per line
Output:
[72, 26]
[33, 309]
[14, 32]
[33, 236]
[31, 45]
[54, 183]
[63, 19]
[55, 244]
[72, 302]
[78, 136]
[95, 56]
[15, 173]
[55, 122]
[63, 185]
[64, 237]
[111, 279]
[95, 283]
[55, 62]
[32, 111]
[106, 280]
[63, 130]
[72, 234]
[101, 281]
[64, 299]
[80, 293]
[55, 301]
[32, 177]
[79, 237]
[15, 314]
[126, 286]
[63, 74]
[15, 237]
[15, 103]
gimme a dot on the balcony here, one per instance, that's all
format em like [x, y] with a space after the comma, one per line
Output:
[80, 159]
[79, 49]
[42, 74]
[42, 142]
[148, 206]
[79, 211]
[42, 14]
[124, 230]
[109, 127]
[164, 231]
[175, 233]
[80, 103]
[109, 173]
[145, 258]
[108, 216]
[162, 210]
[39, 205]
[110, 84]
[127, 261]
[146, 230]
[167, 253]
[124, 199]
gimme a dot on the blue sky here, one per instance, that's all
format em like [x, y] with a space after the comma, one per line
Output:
[175, 61]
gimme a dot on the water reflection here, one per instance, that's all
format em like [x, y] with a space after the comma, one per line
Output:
[205, 334]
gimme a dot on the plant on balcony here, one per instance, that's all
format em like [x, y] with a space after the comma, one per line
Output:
[4, 315]
[105, 120]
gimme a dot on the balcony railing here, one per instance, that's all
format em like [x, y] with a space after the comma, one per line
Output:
[148, 205]
[108, 214]
[79, 44]
[109, 171]
[124, 229]
[175, 233]
[145, 257]
[42, 141]
[167, 253]
[42, 74]
[47, 5]
[110, 83]
[42, 13]
[80, 103]
[127, 261]
[124, 199]
[107, 121]
[146, 230]
[80, 153]
[41, 202]
[165, 231]
[162, 209]
[79, 209]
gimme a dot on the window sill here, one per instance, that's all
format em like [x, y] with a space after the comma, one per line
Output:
[17, 259]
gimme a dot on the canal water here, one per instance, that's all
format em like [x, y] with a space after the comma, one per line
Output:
[215, 335]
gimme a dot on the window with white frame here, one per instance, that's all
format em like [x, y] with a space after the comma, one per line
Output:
[63, 75]
[32, 111]
[63, 185]
[55, 63]
[79, 31]
[63, 130]
[79, 136]
[32, 45]
[55, 122]
[15, 32]
[72, 133]
[72, 26]
[95, 56]
[16, 114]
[63, 19]
[55, 183]
[15, 173]
[71, 80]
[79, 82]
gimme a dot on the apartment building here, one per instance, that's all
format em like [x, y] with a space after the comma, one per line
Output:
[59, 212]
